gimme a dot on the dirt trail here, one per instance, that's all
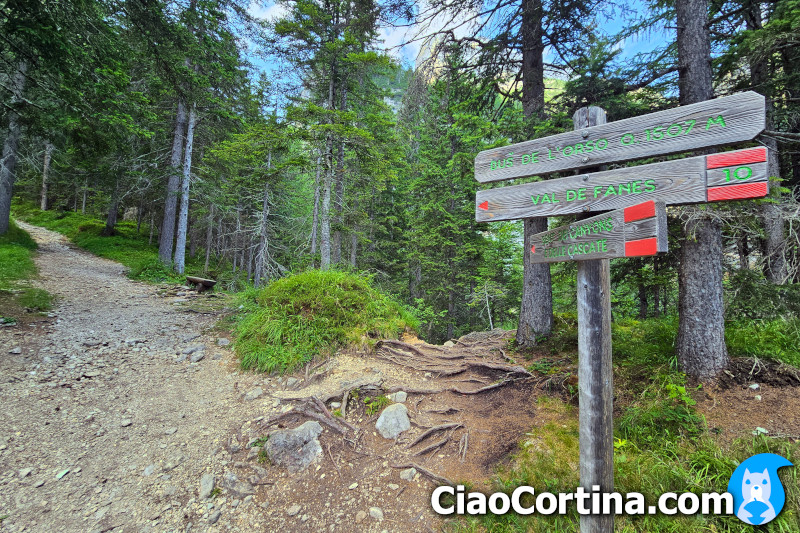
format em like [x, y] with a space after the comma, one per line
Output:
[96, 391]
[121, 401]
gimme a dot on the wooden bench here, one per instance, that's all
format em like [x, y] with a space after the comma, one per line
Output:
[201, 284]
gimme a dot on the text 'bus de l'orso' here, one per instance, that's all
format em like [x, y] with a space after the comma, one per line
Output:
[658, 133]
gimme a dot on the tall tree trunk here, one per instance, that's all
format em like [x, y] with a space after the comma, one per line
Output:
[325, 216]
[743, 248]
[532, 59]
[192, 239]
[263, 241]
[775, 268]
[8, 163]
[642, 301]
[113, 210]
[315, 216]
[701, 327]
[536, 309]
[339, 199]
[152, 216]
[48, 154]
[85, 190]
[701, 333]
[183, 216]
[173, 187]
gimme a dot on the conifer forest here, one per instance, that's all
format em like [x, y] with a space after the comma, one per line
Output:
[247, 142]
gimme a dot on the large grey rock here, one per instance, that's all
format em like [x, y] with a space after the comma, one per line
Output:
[393, 421]
[398, 397]
[295, 448]
[293, 510]
[197, 357]
[408, 474]
[238, 489]
[206, 486]
[192, 349]
[223, 341]
[253, 393]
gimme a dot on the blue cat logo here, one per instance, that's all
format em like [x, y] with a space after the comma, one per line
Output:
[758, 495]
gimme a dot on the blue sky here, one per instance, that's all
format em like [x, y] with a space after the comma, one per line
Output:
[393, 38]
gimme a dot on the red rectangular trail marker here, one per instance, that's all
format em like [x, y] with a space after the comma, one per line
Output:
[634, 231]
[727, 176]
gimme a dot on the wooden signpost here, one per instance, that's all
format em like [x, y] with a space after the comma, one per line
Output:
[635, 226]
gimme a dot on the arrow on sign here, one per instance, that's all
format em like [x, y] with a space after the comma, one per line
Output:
[728, 176]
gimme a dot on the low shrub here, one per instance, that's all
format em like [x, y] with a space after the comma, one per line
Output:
[291, 320]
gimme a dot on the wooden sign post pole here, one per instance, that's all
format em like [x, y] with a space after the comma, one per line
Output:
[633, 200]
[595, 380]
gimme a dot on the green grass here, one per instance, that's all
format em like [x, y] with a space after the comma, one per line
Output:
[295, 318]
[16, 257]
[16, 268]
[548, 461]
[126, 246]
[661, 443]
[766, 339]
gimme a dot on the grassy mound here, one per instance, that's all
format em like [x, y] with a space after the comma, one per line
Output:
[290, 321]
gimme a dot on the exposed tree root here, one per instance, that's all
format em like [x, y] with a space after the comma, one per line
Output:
[431, 431]
[432, 447]
[424, 471]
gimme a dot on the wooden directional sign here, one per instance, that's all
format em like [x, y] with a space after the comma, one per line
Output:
[726, 176]
[723, 121]
[634, 231]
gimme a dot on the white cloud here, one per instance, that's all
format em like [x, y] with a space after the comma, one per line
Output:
[266, 10]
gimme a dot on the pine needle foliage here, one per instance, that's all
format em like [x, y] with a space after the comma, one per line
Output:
[293, 319]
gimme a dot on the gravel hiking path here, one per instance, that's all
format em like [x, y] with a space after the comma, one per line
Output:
[103, 427]
[124, 410]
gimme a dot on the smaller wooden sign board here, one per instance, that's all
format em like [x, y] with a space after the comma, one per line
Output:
[634, 231]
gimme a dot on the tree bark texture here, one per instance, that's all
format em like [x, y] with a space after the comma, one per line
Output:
[113, 210]
[325, 211]
[8, 163]
[263, 241]
[536, 309]
[167, 236]
[694, 52]
[339, 198]
[48, 154]
[315, 215]
[701, 334]
[183, 216]
[701, 325]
